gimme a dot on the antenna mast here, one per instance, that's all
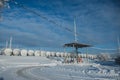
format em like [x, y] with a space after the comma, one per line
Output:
[75, 31]
[10, 46]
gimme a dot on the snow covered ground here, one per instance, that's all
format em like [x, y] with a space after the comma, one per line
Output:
[42, 68]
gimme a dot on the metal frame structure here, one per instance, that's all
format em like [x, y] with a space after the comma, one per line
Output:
[75, 44]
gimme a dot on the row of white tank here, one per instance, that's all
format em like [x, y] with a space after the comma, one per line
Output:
[24, 52]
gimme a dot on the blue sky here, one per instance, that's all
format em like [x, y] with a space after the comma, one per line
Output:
[98, 23]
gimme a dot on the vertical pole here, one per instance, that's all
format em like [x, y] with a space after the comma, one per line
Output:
[10, 46]
[87, 54]
[75, 31]
[76, 50]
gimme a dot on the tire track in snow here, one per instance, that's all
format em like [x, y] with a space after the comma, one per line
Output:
[69, 76]
[100, 76]
[28, 74]
[25, 73]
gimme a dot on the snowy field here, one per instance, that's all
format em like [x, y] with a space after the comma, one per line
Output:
[42, 68]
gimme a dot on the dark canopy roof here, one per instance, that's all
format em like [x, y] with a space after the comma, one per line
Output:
[77, 45]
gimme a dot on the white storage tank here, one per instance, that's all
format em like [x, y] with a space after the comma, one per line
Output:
[58, 54]
[53, 54]
[37, 53]
[16, 52]
[65, 54]
[62, 54]
[79, 55]
[47, 53]
[95, 56]
[83, 55]
[23, 52]
[68, 54]
[30, 53]
[8, 51]
[43, 53]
